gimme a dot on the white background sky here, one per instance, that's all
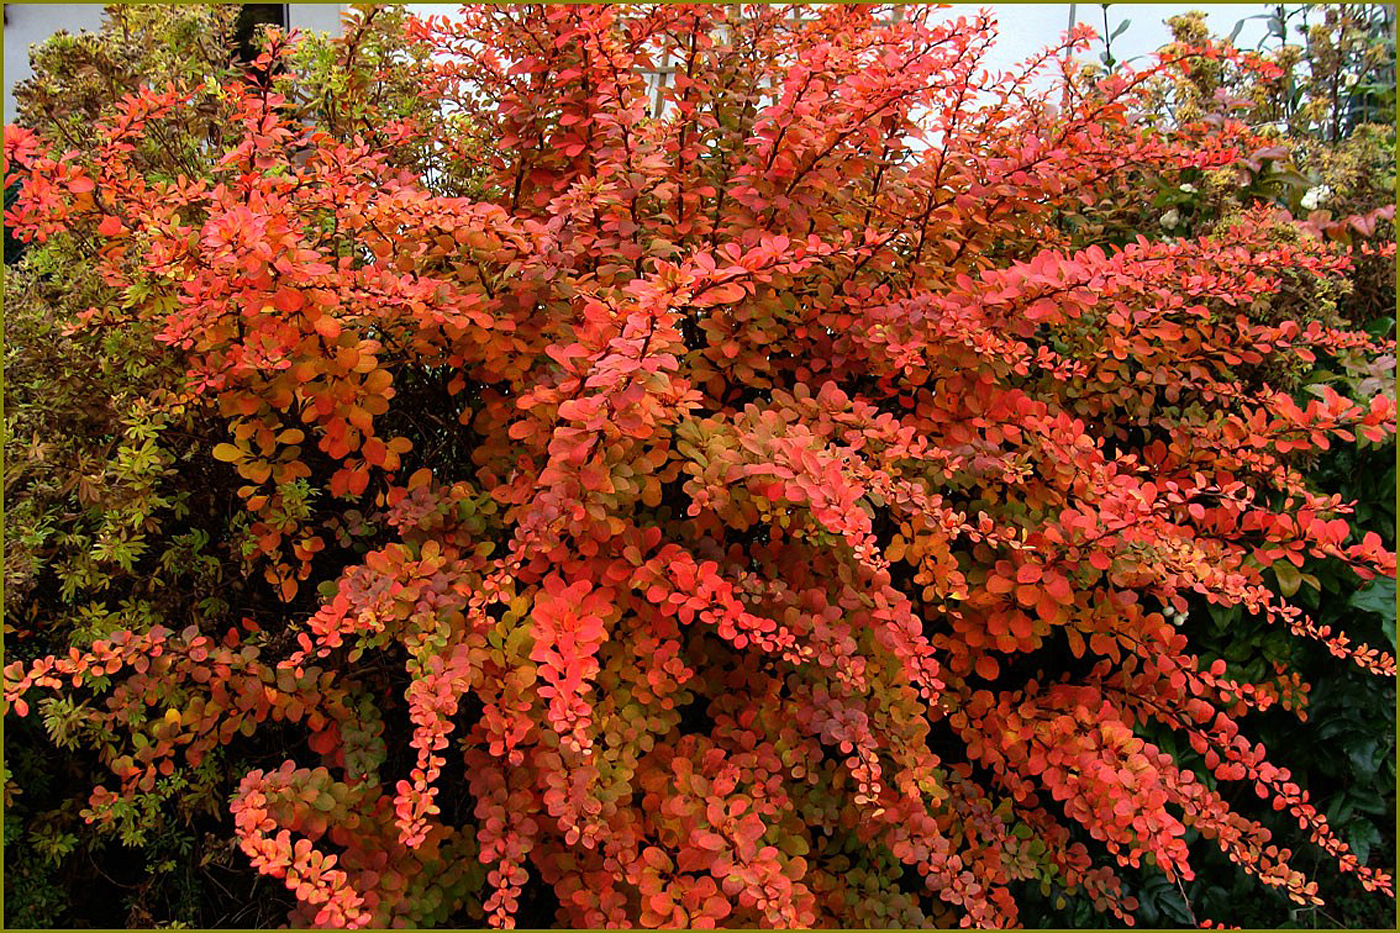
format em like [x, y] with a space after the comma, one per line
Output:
[1025, 28]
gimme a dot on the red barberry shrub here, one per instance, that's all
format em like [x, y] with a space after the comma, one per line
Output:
[744, 500]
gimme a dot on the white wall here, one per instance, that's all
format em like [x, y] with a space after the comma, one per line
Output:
[30, 23]
[320, 17]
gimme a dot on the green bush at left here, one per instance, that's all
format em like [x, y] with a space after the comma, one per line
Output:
[112, 522]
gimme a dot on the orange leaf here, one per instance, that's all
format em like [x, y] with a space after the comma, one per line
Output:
[228, 453]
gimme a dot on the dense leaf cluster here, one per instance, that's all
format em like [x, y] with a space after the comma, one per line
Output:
[690, 465]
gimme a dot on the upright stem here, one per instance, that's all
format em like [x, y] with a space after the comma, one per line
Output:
[1108, 59]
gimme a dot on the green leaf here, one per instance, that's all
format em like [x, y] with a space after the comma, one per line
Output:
[1363, 756]
[1378, 598]
[1363, 835]
[1289, 577]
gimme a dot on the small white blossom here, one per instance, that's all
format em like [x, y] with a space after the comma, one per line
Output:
[1314, 198]
[1189, 188]
[1351, 80]
[1170, 219]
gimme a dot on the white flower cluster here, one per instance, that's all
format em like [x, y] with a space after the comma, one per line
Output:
[1315, 197]
[1174, 616]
